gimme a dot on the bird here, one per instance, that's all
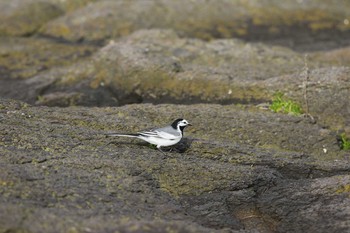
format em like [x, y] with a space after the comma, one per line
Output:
[164, 136]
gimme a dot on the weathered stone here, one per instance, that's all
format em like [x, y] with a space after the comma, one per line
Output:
[290, 23]
[337, 57]
[326, 94]
[22, 58]
[240, 168]
[60, 173]
[23, 18]
[157, 66]
[46, 61]
[308, 203]
[26, 17]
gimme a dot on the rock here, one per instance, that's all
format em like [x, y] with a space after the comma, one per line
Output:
[22, 58]
[60, 173]
[24, 61]
[26, 17]
[307, 25]
[240, 168]
[148, 66]
[338, 57]
[23, 18]
[296, 24]
[327, 93]
[160, 67]
[308, 204]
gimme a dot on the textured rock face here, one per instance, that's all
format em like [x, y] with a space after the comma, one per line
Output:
[242, 170]
[26, 17]
[87, 67]
[160, 67]
[289, 22]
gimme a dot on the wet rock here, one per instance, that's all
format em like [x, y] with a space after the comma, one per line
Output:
[60, 173]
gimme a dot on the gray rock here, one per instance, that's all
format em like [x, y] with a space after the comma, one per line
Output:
[326, 93]
[308, 205]
[23, 18]
[295, 24]
[160, 67]
[60, 173]
[26, 17]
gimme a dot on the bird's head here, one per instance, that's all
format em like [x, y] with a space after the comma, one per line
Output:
[180, 124]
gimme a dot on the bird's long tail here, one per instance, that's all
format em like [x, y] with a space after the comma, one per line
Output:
[130, 135]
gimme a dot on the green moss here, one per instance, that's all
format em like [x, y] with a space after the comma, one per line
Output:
[283, 105]
[152, 146]
[345, 142]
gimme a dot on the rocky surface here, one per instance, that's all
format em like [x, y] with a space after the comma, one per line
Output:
[26, 17]
[160, 67]
[257, 20]
[236, 172]
[128, 65]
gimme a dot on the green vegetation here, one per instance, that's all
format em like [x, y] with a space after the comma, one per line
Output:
[280, 104]
[345, 142]
[152, 146]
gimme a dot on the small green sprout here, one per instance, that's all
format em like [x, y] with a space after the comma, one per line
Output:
[280, 104]
[345, 142]
[152, 146]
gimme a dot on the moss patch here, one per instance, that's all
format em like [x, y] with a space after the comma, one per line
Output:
[283, 105]
[345, 142]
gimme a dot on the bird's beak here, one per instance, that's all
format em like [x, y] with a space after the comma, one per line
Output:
[189, 124]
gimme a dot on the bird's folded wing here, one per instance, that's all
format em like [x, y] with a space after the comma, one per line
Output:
[149, 133]
[159, 134]
[167, 135]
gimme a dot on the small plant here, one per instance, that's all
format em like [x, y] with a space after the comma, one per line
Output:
[344, 142]
[280, 104]
[152, 146]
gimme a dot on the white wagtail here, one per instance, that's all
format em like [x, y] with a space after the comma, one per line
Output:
[165, 136]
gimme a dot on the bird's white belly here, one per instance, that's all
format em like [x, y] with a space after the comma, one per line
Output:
[161, 141]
